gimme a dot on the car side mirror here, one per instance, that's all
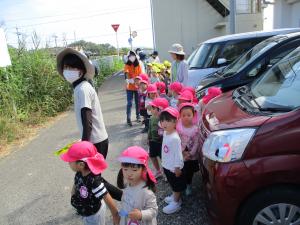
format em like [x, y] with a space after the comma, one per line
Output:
[221, 61]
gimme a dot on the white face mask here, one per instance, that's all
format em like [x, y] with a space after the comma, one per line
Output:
[71, 75]
[132, 58]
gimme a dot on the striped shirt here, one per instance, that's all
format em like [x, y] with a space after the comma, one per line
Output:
[89, 191]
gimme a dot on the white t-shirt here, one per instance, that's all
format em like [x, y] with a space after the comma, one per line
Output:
[85, 96]
[171, 154]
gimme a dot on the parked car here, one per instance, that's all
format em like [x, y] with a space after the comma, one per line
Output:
[216, 53]
[252, 64]
[250, 160]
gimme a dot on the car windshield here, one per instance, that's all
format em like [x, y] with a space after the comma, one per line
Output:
[204, 56]
[248, 57]
[279, 88]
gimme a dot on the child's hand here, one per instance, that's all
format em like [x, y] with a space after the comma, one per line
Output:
[178, 172]
[135, 214]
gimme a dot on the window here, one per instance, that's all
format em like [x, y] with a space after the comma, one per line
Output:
[234, 50]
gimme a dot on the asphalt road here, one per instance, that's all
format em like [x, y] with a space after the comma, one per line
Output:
[35, 184]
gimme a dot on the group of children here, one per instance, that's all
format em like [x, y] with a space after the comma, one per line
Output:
[171, 115]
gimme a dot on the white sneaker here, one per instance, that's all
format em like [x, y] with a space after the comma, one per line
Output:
[169, 199]
[173, 207]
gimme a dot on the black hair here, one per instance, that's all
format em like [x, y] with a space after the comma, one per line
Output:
[188, 107]
[86, 167]
[120, 179]
[73, 61]
[179, 57]
[155, 53]
[136, 61]
[165, 116]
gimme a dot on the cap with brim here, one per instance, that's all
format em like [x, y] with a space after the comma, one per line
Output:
[90, 68]
[172, 111]
[137, 155]
[186, 96]
[177, 49]
[160, 103]
[85, 151]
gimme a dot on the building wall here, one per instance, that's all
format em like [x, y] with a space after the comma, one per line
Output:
[249, 22]
[191, 22]
[176, 21]
[286, 14]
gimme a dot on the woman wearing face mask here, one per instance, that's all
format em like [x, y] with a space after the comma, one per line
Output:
[75, 67]
[132, 69]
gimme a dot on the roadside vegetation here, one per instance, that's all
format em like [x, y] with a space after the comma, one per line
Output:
[32, 91]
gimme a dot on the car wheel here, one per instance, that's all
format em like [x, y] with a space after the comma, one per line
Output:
[280, 206]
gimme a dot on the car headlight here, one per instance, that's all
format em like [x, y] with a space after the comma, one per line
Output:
[227, 145]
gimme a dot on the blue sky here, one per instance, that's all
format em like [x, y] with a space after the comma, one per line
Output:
[90, 20]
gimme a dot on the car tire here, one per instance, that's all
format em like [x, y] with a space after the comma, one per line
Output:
[260, 208]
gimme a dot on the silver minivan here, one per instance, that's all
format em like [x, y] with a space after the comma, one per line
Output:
[216, 53]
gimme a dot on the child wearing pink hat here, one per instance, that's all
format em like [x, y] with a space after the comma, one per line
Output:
[138, 205]
[161, 88]
[172, 159]
[175, 89]
[151, 95]
[189, 134]
[142, 92]
[185, 96]
[154, 133]
[89, 189]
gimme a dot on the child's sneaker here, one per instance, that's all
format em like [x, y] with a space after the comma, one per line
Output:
[173, 207]
[188, 190]
[169, 199]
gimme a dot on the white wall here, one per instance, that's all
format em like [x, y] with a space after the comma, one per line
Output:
[190, 22]
[249, 22]
[187, 22]
[286, 15]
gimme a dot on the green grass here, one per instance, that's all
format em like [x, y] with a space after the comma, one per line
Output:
[32, 91]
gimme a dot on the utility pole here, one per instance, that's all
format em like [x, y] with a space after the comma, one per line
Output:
[74, 36]
[18, 34]
[130, 38]
[232, 16]
[55, 38]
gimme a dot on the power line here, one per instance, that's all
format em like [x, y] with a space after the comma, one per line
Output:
[77, 18]
[58, 15]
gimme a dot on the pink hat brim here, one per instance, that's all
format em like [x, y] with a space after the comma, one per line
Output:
[97, 164]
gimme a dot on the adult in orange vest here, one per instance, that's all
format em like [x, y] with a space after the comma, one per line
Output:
[132, 69]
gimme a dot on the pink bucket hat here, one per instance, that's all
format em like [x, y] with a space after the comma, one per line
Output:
[137, 155]
[172, 111]
[152, 89]
[87, 152]
[144, 77]
[161, 86]
[176, 87]
[160, 103]
[211, 93]
[186, 95]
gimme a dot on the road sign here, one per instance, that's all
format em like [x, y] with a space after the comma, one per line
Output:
[115, 27]
[134, 34]
[130, 40]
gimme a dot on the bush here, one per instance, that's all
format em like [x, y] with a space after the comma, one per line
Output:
[32, 90]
